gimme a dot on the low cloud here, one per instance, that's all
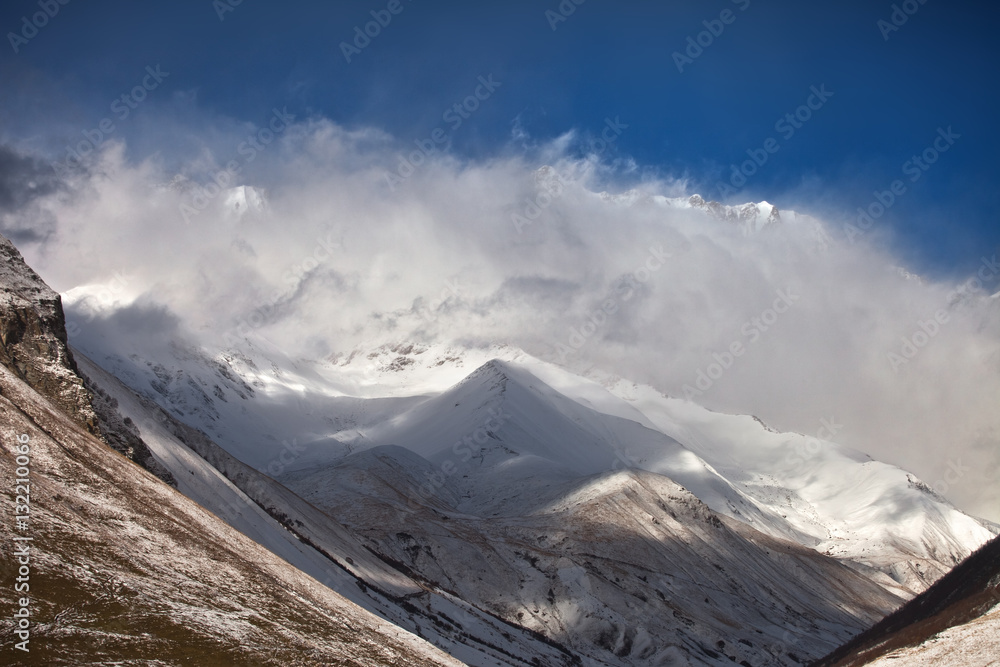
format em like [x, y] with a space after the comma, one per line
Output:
[333, 259]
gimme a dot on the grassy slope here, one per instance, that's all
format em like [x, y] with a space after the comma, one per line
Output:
[126, 569]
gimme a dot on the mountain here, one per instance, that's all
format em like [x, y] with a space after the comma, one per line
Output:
[257, 403]
[33, 342]
[503, 509]
[955, 621]
[320, 545]
[33, 345]
[582, 511]
[116, 566]
[442, 566]
[749, 218]
[123, 567]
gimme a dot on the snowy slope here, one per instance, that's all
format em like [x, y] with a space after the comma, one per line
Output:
[749, 218]
[953, 618]
[973, 644]
[317, 544]
[848, 505]
[124, 568]
[432, 456]
[508, 430]
[627, 567]
[279, 415]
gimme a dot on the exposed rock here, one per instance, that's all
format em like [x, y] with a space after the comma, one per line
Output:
[33, 338]
[33, 345]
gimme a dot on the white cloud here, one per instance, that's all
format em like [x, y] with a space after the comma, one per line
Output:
[337, 260]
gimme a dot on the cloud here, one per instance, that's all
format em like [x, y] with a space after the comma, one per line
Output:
[23, 180]
[336, 259]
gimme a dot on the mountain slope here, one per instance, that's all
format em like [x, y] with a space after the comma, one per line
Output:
[834, 499]
[626, 567]
[33, 345]
[123, 567]
[504, 491]
[113, 564]
[956, 619]
[33, 337]
[318, 544]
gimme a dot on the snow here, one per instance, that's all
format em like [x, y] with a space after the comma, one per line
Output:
[973, 644]
[461, 449]
[207, 483]
[281, 415]
[133, 568]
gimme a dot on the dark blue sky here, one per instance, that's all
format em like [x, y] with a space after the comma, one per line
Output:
[607, 59]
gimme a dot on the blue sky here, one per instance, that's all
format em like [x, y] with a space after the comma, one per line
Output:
[890, 96]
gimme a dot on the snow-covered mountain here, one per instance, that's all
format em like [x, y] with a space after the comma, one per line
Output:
[955, 622]
[479, 471]
[114, 566]
[510, 511]
[750, 218]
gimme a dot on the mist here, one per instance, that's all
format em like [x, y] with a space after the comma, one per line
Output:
[326, 239]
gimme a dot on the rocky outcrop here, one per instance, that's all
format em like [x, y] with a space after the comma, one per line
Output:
[33, 345]
[33, 338]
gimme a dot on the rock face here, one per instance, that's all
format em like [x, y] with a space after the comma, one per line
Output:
[33, 338]
[34, 347]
